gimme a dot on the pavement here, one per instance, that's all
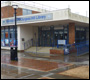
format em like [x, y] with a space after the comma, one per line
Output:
[45, 50]
[37, 66]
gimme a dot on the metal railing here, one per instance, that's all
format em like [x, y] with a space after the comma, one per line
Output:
[28, 44]
[79, 48]
[71, 49]
[83, 48]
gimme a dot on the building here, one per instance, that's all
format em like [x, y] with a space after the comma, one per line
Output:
[42, 26]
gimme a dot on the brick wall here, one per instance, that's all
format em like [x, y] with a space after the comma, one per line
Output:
[33, 12]
[55, 51]
[9, 12]
[71, 33]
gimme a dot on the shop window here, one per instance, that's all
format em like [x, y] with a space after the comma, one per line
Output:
[6, 29]
[11, 35]
[2, 35]
[11, 28]
[2, 43]
[2, 39]
[77, 28]
[2, 29]
[80, 34]
[6, 39]
[6, 35]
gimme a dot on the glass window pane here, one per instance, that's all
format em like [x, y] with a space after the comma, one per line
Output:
[65, 28]
[2, 35]
[2, 43]
[11, 28]
[25, 11]
[2, 29]
[65, 31]
[29, 12]
[6, 35]
[11, 35]
[6, 42]
[6, 28]
[11, 42]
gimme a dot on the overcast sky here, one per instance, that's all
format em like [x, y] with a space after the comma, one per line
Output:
[79, 7]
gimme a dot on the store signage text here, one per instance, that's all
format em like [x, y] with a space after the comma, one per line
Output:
[28, 19]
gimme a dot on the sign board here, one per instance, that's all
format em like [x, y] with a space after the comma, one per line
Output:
[24, 19]
[61, 42]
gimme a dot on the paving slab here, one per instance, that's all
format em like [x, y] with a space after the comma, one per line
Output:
[29, 67]
[79, 72]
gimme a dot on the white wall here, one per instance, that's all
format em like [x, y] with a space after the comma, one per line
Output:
[35, 30]
[18, 36]
[79, 18]
[64, 14]
[25, 32]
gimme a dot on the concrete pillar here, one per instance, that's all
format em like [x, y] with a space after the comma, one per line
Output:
[71, 33]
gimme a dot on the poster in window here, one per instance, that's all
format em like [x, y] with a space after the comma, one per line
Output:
[6, 41]
[11, 42]
[2, 43]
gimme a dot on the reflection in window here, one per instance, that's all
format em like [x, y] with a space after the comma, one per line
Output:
[26, 11]
[11, 28]
[11, 35]
[2, 29]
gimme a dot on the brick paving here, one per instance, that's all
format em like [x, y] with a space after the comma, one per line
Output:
[29, 67]
[33, 64]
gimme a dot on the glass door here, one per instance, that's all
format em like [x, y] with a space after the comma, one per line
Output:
[55, 37]
[60, 34]
[44, 38]
[48, 38]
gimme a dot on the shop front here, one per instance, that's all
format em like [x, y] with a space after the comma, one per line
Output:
[8, 36]
[48, 36]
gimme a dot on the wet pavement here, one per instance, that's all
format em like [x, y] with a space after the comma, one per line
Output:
[36, 66]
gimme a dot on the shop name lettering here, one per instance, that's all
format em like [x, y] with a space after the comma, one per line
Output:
[32, 18]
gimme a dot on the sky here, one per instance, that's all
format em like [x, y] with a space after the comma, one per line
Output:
[79, 7]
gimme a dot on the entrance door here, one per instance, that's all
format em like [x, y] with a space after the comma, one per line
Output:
[48, 38]
[55, 37]
[43, 38]
[60, 35]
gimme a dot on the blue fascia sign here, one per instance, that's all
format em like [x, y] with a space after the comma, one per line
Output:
[28, 19]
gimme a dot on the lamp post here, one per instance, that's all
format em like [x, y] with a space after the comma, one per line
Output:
[15, 8]
[14, 49]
